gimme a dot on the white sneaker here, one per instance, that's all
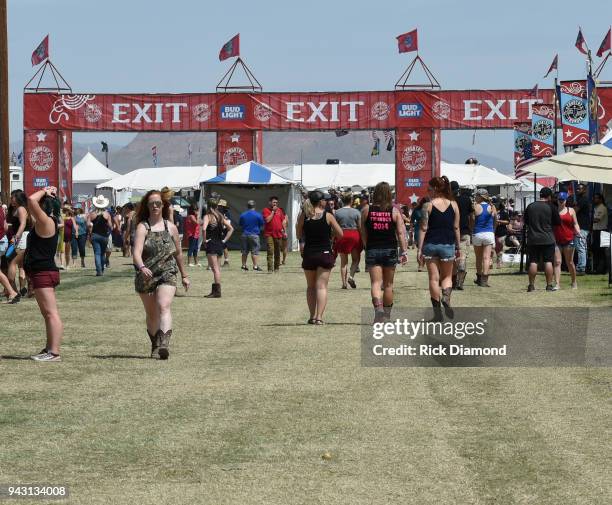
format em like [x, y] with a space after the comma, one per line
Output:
[45, 355]
[574, 285]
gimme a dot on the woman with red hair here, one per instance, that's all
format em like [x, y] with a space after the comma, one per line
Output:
[158, 258]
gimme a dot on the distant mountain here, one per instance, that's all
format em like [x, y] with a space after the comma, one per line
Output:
[279, 148]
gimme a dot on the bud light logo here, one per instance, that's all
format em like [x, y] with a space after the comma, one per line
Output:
[40, 182]
[409, 110]
[232, 112]
[413, 182]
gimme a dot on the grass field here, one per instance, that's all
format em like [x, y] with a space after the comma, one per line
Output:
[252, 397]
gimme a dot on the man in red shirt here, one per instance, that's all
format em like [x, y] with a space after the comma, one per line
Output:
[275, 222]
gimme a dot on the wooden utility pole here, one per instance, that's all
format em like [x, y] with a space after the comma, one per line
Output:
[4, 111]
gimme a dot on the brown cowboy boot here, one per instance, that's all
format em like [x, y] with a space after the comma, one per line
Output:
[484, 281]
[446, 296]
[154, 345]
[164, 343]
[379, 311]
[460, 279]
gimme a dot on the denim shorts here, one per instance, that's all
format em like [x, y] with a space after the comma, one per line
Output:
[571, 243]
[250, 244]
[443, 252]
[381, 257]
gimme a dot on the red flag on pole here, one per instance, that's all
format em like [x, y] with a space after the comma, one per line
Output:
[41, 53]
[230, 49]
[606, 44]
[553, 66]
[581, 44]
[407, 42]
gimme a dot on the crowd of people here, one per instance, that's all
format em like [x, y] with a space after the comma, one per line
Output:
[39, 237]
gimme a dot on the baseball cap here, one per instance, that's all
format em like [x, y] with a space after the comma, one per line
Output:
[251, 203]
[482, 192]
[315, 196]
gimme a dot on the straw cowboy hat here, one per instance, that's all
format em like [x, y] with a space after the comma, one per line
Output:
[100, 202]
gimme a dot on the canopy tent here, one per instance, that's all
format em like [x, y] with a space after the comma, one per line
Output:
[607, 139]
[471, 176]
[249, 173]
[586, 163]
[253, 181]
[145, 179]
[90, 171]
[340, 175]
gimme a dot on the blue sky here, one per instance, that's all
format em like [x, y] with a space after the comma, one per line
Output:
[154, 46]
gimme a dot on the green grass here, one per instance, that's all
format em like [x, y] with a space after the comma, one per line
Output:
[252, 397]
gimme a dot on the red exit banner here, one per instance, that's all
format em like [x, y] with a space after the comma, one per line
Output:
[475, 109]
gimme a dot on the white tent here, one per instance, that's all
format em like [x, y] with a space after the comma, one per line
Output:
[524, 193]
[176, 178]
[342, 174]
[253, 181]
[370, 174]
[591, 163]
[90, 171]
[471, 176]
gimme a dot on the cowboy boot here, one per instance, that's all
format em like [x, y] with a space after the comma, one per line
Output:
[379, 311]
[154, 345]
[215, 291]
[164, 343]
[446, 296]
[484, 281]
[387, 310]
[460, 279]
[437, 311]
[478, 279]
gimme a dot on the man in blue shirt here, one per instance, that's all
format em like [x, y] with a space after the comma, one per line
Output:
[251, 223]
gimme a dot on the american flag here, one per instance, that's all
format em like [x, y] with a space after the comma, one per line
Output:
[526, 159]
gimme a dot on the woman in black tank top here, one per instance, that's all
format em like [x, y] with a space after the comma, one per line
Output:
[382, 229]
[316, 226]
[41, 268]
[439, 243]
[217, 230]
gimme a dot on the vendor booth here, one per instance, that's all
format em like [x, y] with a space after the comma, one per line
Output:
[252, 181]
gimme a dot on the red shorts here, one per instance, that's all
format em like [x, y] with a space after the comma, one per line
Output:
[350, 241]
[45, 279]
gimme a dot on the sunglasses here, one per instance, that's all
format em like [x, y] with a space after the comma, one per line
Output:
[156, 204]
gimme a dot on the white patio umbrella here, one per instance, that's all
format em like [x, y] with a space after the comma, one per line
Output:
[588, 163]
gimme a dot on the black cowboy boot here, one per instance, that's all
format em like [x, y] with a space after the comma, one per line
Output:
[387, 309]
[437, 311]
[215, 291]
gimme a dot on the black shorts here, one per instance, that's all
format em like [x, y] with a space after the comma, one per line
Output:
[214, 247]
[312, 261]
[541, 253]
